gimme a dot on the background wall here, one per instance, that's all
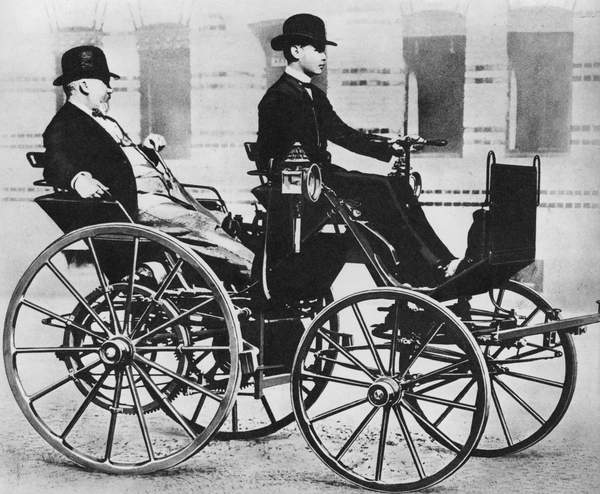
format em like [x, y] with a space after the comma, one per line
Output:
[195, 72]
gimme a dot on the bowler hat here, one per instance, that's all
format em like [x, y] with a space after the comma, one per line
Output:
[302, 28]
[84, 62]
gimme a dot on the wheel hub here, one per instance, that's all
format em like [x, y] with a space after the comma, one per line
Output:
[384, 391]
[116, 351]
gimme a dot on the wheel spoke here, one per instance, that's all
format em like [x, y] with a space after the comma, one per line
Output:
[176, 376]
[382, 437]
[342, 380]
[79, 297]
[210, 316]
[157, 297]
[348, 355]
[500, 297]
[405, 367]
[457, 398]
[103, 283]
[113, 415]
[187, 349]
[501, 416]
[62, 319]
[337, 410]
[368, 338]
[409, 442]
[348, 444]
[131, 286]
[520, 401]
[268, 409]
[447, 379]
[171, 262]
[58, 384]
[82, 408]
[534, 379]
[170, 411]
[441, 401]
[198, 407]
[438, 372]
[140, 413]
[395, 330]
[59, 349]
[530, 317]
[431, 429]
[173, 320]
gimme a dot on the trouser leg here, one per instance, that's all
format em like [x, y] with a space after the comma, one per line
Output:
[390, 208]
[231, 260]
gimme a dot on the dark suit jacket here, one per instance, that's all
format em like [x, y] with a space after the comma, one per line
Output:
[287, 114]
[75, 142]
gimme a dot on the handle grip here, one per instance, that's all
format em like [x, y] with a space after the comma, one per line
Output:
[420, 141]
[435, 142]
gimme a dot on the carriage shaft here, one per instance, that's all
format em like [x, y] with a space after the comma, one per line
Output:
[570, 324]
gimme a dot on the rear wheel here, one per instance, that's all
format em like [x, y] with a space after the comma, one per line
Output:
[532, 378]
[86, 370]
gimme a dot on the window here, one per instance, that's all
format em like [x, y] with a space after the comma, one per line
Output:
[540, 90]
[437, 65]
[165, 87]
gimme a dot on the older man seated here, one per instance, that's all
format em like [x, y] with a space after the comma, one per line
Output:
[89, 152]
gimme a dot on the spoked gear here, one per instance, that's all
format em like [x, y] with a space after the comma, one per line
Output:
[175, 336]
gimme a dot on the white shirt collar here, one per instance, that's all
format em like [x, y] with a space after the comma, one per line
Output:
[296, 74]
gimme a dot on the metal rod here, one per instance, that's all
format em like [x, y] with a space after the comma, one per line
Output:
[548, 327]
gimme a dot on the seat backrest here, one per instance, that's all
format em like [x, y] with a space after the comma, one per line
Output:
[36, 159]
[513, 200]
[70, 212]
[250, 148]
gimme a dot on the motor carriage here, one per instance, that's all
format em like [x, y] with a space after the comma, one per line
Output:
[393, 388]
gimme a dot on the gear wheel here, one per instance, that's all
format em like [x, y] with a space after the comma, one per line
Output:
[164, 310]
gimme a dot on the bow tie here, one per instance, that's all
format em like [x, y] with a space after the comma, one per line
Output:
[112, 127]
[304, 84]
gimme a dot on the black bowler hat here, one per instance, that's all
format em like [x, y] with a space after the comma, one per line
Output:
[302, 28]
[84, 62]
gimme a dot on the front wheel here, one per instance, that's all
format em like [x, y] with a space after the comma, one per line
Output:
[401, 367]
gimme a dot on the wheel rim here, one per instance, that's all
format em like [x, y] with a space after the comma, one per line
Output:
[133, 353]
[532, 379]
[377, 422]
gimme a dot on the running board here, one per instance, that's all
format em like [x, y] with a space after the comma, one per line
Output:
[572, 324]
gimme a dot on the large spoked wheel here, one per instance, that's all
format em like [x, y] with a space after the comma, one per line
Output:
[110, 365]
[533, 378]
[389, 418]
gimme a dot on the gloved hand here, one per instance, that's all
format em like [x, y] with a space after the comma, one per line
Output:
[88, 187]
[154, 141]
